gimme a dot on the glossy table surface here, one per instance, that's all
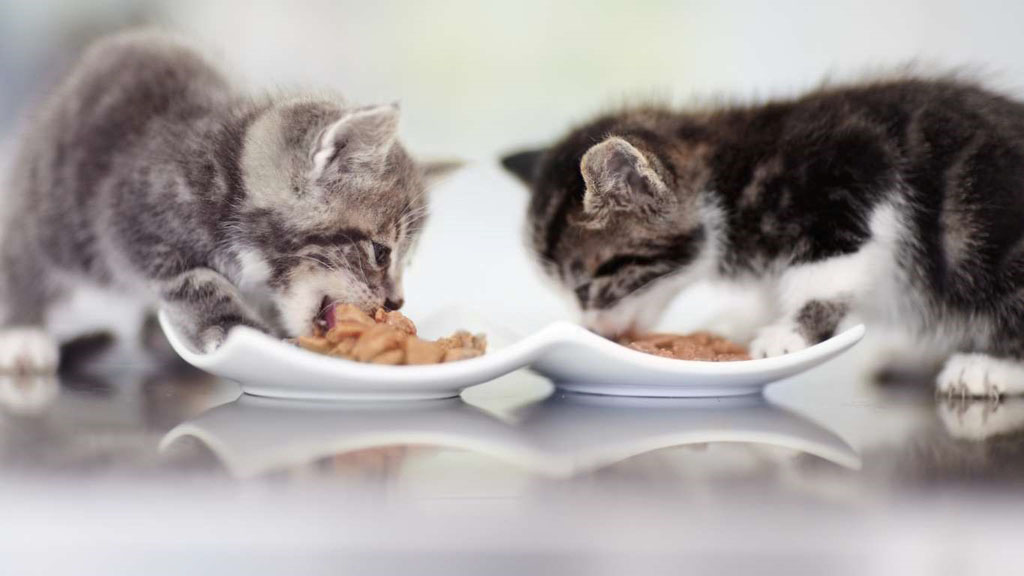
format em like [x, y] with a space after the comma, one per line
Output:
[171, 470]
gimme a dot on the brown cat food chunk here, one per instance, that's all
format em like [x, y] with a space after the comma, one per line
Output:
[315, 343]
[345, 330]
[377, 340]
[419, 351]
[456, 354]
[696, 346]
[387, 338]
[344, 348]
[350, 313]
[391, 357]
[395, 319]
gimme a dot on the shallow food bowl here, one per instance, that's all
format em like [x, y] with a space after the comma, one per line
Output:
[574, 358]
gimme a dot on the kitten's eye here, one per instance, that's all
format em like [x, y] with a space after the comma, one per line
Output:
[583, 292]
[381, 255]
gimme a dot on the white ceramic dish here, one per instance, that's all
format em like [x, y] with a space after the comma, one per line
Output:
[572, 357]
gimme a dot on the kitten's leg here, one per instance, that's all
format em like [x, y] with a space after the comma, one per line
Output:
[975, 375]
[27, 350]
[815, 321]
[814, 300]
[25, 294]
[995, 370]
[28, 393]
[205, 305]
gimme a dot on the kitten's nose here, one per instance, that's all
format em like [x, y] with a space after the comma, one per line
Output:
[391, 305]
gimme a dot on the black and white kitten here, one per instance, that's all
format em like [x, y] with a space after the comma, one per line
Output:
[148, 174]
[901, 202]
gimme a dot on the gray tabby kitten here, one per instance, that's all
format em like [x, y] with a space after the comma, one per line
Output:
[149, 175]
[900, 202]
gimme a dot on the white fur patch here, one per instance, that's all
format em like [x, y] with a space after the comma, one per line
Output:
[852, 275]
[27, 351]
[300, 305]
[638, 311]
[745, 305]
[981, 375]
[255, 271]
[776, 340]
[29, 393]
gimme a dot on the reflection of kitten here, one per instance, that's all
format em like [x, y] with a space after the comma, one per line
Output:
[902, 202]
[980, 420]
[149, 175]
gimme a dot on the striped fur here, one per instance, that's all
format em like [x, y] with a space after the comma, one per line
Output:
[148, 174]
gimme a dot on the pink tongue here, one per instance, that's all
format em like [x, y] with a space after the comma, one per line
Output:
[329, 316]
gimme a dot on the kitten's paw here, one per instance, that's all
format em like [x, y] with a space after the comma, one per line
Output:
[27, 351]
[211, 338]
[977, 375]
[777, 340]
[980, 419]
[28, 393]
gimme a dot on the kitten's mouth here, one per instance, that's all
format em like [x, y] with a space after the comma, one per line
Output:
[324, 319]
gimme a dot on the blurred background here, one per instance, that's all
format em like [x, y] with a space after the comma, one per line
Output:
[478, 79]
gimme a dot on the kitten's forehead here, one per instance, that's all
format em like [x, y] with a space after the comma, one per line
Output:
[276, 167]
[391, 204]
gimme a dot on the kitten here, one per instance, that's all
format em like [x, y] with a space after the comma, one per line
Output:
[900, 202]
[148, 174]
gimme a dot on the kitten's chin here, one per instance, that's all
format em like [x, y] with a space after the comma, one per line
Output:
[618, 321]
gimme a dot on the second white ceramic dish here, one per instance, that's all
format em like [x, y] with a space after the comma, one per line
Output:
[572, 357]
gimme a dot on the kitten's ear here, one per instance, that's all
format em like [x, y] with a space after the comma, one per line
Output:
[523, 164]
[619, 179]
[363, 135]
[437, 170]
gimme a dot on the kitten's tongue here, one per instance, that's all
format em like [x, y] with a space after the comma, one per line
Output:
[326, 318]
[329, 316]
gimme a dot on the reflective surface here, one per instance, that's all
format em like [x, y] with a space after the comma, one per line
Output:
[831, 469]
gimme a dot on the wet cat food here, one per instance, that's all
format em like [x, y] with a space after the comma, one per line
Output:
[696, 346]
[386, 337]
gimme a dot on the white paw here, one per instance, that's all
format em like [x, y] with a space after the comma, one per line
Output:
[28, 394]
[27, 351]
[980, 419]
[777, 340]
[975, 375]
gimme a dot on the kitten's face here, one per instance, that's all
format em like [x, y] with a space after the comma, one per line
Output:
[335, 206]
[613, 225]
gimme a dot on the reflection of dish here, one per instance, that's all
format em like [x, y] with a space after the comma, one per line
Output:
[562, 436]
[564, 352]
[254, 435]
[588, 431]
